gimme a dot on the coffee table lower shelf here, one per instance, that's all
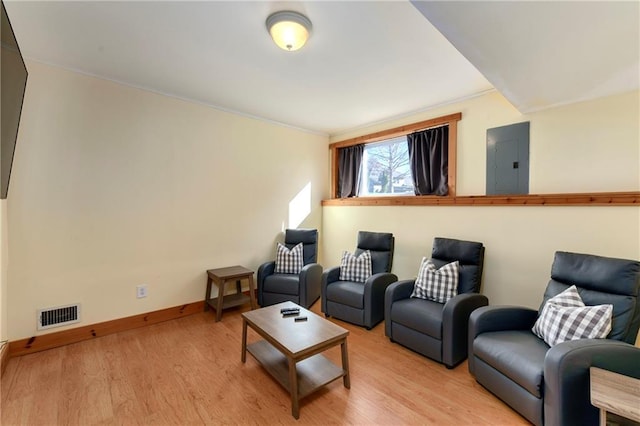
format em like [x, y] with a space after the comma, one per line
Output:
[313, 372]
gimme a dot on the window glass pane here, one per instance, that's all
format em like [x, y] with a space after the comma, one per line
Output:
[385, 168]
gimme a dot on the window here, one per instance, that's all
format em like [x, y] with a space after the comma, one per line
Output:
[385, 168]
[376, 169]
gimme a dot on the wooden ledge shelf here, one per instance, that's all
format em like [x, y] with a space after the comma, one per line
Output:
[576, 199]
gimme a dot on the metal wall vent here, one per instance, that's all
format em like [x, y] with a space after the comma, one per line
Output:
[56, 317]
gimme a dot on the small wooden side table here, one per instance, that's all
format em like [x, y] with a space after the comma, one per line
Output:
[220, 277]
[615, 393]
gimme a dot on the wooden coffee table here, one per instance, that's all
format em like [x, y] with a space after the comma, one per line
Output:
[290, 351]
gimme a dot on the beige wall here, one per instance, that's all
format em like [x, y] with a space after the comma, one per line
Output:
[114, 187]
[591, 146]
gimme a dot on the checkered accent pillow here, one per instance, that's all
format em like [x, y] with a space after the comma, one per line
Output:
[565, 317]
[436, 284]
[289, 261]
[355, 268]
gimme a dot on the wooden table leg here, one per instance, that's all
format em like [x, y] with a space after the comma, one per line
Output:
[346, 380]
[220, 297]
[207, 295]
[252, 292]
[293, 387]
[244, 340]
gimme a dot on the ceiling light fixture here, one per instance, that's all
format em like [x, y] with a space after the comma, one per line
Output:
[289, 30]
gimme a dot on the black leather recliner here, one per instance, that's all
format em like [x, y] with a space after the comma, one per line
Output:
[551, 385]
[302, 288]
[361, 303]
[437, 330]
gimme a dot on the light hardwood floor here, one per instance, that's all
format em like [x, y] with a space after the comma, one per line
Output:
[188, 372]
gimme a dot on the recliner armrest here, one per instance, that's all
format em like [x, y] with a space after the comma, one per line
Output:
[310, 269]
[328, 276]
[378, 283]
[310, 281]
[396, 291]
[399, 290]
[374, 294]
[497, 318]
[264, 271]
[464, 303]
[455, 326]
[501, 318]
[567, 399]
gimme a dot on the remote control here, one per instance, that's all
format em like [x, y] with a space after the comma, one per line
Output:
[285, 310]
[298, 319]
[290, 314]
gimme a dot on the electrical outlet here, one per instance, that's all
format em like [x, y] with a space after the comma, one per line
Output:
[141, 291]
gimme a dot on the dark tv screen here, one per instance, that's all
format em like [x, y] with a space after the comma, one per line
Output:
[13, 81]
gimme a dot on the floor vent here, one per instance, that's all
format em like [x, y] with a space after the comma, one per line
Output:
[56, 317]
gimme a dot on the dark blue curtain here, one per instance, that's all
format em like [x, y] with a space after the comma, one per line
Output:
[349, 161]
[429, 160]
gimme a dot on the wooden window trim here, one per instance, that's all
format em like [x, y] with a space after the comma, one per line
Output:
[450, 120]
[569, 199]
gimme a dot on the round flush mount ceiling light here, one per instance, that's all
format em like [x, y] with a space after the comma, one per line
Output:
[289, 30]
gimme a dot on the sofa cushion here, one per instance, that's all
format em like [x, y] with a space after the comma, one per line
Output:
[518, 354]
[355, 268]
[420, 315]
[435, 284]
[348, 293]
[288, 261]
[282, 283]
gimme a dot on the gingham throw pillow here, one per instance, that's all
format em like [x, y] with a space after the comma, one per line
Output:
[436, 284]
[355, 268]
[565, 317]
[570, 298]
[289, 261]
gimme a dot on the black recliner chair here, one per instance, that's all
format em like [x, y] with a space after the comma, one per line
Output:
[438, 330]
[302, 288]
[551, 385]
[355, 302]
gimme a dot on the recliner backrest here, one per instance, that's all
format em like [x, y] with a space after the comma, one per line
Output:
[470, 254]
[380, 244]
[309, 240]
[601, 280]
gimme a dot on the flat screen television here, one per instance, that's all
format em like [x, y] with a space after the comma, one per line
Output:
[13, 81]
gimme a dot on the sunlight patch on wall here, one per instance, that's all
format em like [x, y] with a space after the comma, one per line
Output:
[300, 206]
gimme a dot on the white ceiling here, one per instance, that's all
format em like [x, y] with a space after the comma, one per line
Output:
[366, 61]
[546, 53]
